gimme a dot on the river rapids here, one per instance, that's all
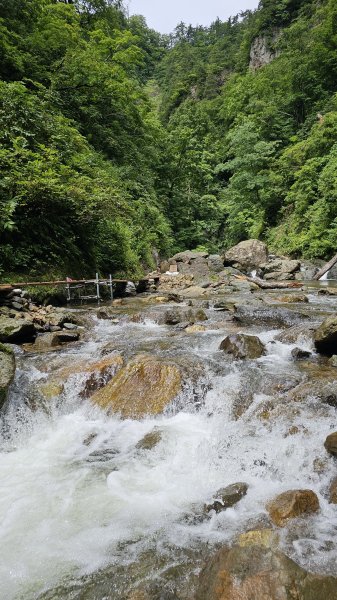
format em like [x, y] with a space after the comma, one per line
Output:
[86, 513]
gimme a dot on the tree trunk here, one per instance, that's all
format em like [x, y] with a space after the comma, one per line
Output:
[326, 268]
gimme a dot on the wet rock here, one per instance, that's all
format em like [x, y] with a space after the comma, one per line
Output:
[293, 298]
[16, 331]
[227, 497]
[243, 346]
[184, 315]
[50, 389]
[195, 329]
[326, 336]
[221, 305]
[248, 254]
[173, 283]
[299, 354]
[7, 371]
[269, 316]
[106, 313]
[295, 333]
[325, 392]
[255, 569]
[69, 326]
[330, 443]
[144, 386]
[333, 491]
[49, 341]
[100, 373]
[292, 504]
[150, 440]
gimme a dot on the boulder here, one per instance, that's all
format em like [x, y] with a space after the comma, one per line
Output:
[330, 443]
[7, 371]
[248, 254]
[295, 333]
[227, 497]
[280, 265]
[50, 341]
[195, 329]
[187, 256]
[254, 569]
[16, 331]
[299, 354]
[269, 316]
[279, 276]
[176, 315]
[325, 337]
[292, 504]
[324, 391]
[144, 386]
[243, 346]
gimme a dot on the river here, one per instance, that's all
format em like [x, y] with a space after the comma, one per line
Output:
[86, 513]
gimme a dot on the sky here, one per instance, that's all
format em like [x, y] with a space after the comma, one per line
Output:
[164, 15]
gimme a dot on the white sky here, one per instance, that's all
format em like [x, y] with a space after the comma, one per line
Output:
[164, 15]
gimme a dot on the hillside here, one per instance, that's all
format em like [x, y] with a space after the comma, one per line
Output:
[118, 143]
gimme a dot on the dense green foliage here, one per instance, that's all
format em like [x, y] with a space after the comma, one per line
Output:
[116, 141]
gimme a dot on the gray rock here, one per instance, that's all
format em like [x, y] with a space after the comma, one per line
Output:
[184, 315]
[17, 306]
[130, 289]
[281, 265]
[215, 263]
[248, 254]
[279, 276]
[227, 497]
[69, 326]
[7, 371]
[187, 256]
[299, 354]
[269, 316]
[243, 346]
[50, 341]
[16, 331]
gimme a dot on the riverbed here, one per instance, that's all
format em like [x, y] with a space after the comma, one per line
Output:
[87, 513]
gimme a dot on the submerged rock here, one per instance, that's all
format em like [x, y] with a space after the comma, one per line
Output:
[326, 336]
[7, 371]
[255, 569]
[16, 331]
[299, 354]
[292, 504]
[243, 346]
[145, 386]
[333, 491]
[248, 254]
[150, 440]
[227, 497]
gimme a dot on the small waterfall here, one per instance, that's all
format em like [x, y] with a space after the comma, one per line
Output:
[325, 277]
[253, 274]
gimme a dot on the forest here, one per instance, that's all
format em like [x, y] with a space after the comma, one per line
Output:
[119, 144]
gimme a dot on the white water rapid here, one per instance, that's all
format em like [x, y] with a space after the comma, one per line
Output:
[77, 495]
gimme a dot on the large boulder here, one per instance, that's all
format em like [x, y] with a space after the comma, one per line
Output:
[187, 256]
[248, 254]
[295, 333]
[50, 341]
[144, 386]
[325, 337]
[254, 569]
[292, 504]
[243, 346]
[16, 331]
[7, 371]
[280, 265]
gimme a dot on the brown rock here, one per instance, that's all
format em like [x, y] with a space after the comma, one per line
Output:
[330, 443]
[144, 386]
[195, 329]
[243, 346]
[292, 298]
[326, 336]
[292, 504]
[255, 570]
[150, 440]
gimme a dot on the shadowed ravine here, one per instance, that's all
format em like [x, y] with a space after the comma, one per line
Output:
[88, 511]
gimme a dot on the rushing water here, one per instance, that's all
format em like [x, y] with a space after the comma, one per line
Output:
[78, 497]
